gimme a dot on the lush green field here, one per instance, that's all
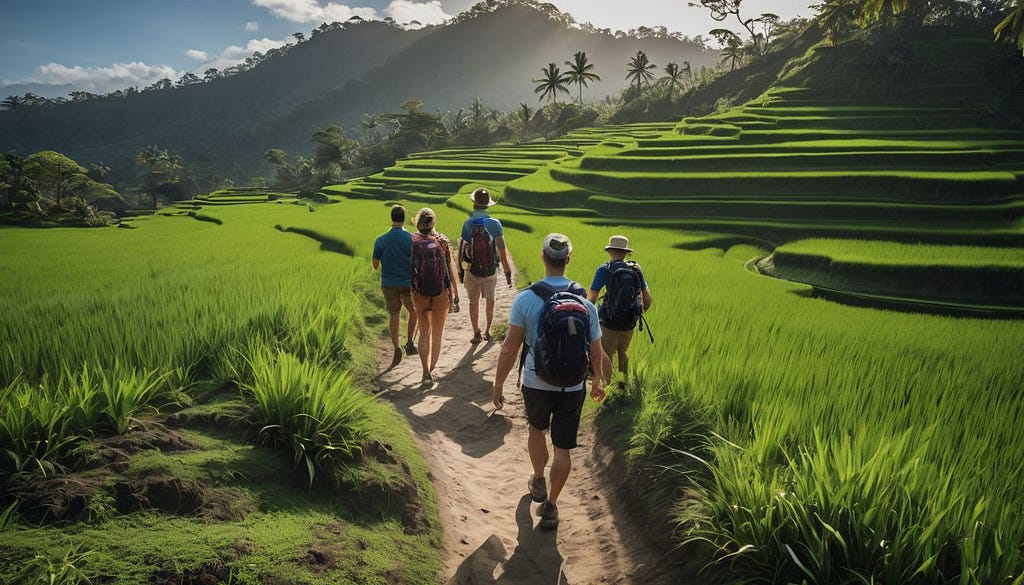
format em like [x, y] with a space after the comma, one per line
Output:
[964, 275]
[825, 443]
[792, 439]
[108, 332]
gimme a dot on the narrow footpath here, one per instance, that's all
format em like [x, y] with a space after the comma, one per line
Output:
[480, 467]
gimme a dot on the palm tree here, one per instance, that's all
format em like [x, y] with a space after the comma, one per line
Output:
[674, 75]
[551, 83]
[639, 69]
[875, 10]
[732, 53]
[525, 111]
[835, 15]
[580, 72]
[1011, 29]
[13, 102]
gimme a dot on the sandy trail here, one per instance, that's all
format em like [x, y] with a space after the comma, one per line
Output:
[480, 467]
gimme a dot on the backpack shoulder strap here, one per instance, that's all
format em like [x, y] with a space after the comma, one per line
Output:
[542, 289]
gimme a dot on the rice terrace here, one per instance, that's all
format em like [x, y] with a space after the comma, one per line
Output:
[197, 384]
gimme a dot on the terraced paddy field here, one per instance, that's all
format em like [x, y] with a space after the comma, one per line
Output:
[790, 438]
[864, 430]
[799, 435]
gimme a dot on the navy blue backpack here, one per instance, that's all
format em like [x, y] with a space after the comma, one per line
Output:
[561, 354]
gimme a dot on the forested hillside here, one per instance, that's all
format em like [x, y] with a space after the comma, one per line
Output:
[334, 78]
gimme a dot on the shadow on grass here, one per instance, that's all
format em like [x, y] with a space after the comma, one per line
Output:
[327, 243]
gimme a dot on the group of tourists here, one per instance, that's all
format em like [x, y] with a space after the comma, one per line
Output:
[556, 332]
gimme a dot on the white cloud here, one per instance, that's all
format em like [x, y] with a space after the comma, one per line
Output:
[103, 79]
[252, 26]
[313, 11]
[233, 54]
[404, 11]
[197, 55]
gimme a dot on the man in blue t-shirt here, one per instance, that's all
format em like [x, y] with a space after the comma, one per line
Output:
[548, 406]
[393, 250]
[616, 341]
[482, 284]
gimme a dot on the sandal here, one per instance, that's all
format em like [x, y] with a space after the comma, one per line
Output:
[487, 336]
[476, 338]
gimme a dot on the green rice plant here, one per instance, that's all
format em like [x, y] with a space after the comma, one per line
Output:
[9, 515]
[317, 413]
[46, 570]
[35, 429]
[321, 339]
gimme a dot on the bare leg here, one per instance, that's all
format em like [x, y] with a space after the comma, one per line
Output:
[437, 319]
[623, 362]
[474, 315]
[410, 329]
[393, 322]
[537, 445]
[423, 318]
[490, 313]
[560, 468]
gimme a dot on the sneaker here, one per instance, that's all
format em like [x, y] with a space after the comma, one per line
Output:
[538, 489]
[410, 349]
[548, 515]
[428, 378]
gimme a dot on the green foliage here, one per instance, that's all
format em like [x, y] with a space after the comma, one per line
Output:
[66, 570]
[317, 413]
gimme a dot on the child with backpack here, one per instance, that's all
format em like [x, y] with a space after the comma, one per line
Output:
[560, 333]
[433, 288]
[625, 300]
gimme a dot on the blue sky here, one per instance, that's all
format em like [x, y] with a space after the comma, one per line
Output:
[102, 45]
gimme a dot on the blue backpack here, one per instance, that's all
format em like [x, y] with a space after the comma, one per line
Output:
[561, 354]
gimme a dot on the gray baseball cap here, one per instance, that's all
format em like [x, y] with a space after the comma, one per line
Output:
[557, 246]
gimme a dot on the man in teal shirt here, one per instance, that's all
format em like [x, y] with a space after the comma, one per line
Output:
[393, 251]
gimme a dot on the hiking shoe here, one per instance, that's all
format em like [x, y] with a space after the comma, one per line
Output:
[397, 358]
[548, 515]
[410, 349]
[538, 489]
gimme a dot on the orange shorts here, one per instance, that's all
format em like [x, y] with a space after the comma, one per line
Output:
[424, 303]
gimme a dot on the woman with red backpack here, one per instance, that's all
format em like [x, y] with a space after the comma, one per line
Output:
[433, 287]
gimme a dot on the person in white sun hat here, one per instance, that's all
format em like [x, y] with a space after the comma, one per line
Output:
[626, 299]
[481, 248]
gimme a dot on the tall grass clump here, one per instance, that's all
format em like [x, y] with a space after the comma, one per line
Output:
[317, 413]
[854, 508]
[39, 423]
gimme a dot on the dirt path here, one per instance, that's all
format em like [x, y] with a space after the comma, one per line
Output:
[480, 467]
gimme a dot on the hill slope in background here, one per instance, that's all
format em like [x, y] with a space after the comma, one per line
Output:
[335, 77]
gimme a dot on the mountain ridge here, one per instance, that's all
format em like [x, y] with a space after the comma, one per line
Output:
[334, 77]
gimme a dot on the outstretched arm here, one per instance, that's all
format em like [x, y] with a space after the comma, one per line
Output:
[597, 361]
[506, 361]
[503, 255]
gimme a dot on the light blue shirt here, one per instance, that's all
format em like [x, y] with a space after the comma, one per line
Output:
[480, 217]
[526, 310]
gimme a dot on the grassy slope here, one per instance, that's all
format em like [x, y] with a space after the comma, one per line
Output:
[181, 295]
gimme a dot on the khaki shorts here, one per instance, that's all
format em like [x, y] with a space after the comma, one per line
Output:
[477, 285]
[395, 297]
[424, 303]
[615, 341]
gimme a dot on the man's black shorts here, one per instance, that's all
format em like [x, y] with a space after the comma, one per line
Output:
[558, 410]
